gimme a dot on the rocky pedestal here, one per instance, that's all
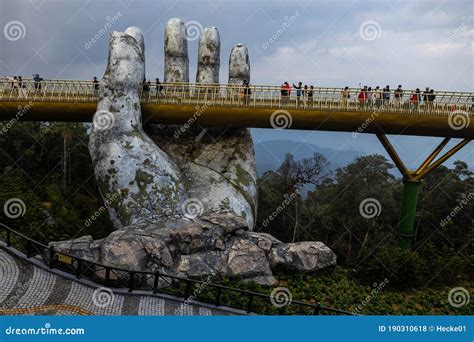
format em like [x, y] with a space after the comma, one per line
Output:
[217, 245]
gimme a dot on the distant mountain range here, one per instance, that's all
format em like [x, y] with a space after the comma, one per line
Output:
[270, 154]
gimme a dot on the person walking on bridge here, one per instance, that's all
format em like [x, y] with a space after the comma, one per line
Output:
[363, 97]
[345, 96]
[369, 97]
[285, 93]
[431, 97]
[305, 96]
[247, 93]
[299, 90]
[37, 82]
[22, 91]
[425, 96]
[386, 96]
[398, 95]
[378, 97]
[415, 99]
[311, 96]
[159, 87]
[95, 86]
[14, 83]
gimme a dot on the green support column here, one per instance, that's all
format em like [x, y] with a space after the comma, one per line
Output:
[406, 226]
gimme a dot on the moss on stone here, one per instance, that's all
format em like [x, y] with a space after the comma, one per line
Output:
[127, 145]
[243, 177]
[143, 179]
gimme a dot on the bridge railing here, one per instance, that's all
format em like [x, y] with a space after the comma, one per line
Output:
[255, 96]
[158, 281]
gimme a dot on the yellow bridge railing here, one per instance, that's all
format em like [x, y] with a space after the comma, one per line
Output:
[255, 96]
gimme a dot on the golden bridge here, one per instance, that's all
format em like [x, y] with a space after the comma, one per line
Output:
[223, 105]
[446, 114]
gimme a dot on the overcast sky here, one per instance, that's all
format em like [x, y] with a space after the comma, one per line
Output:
[324, 43]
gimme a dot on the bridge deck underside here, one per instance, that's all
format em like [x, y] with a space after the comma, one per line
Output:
[336, 118]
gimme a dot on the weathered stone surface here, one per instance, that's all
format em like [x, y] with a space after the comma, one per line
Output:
[304, 256]
[262, 240]
[248, 261]
[209, 56]
[84, 247]
[176, 52]
[201, 248]
[239, 64]
[137, 177]
[202, 264]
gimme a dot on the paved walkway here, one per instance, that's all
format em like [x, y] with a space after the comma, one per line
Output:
[27, 289]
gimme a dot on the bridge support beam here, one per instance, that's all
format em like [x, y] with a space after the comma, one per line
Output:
[406, 226]
[411, 183]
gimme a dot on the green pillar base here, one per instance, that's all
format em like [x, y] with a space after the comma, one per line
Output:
[406, 227]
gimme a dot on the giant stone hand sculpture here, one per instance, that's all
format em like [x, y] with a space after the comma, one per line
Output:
[184, 204]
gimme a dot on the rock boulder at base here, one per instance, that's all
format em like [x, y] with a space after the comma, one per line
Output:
[304, 256]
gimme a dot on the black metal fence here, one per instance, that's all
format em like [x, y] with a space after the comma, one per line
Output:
[190, 289]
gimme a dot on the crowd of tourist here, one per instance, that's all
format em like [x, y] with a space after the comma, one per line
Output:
[366, 96]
